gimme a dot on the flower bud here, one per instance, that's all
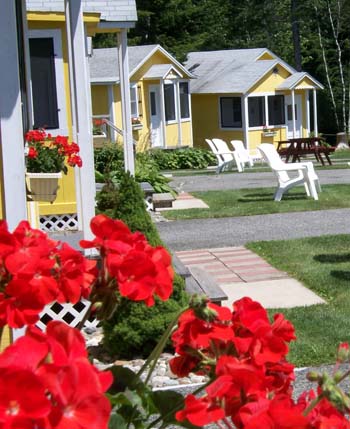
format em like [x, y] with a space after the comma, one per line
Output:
[313, 376]
[199, 304]
[343, 352]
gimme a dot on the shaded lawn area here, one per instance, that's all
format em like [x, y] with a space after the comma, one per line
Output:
[257, 201]
[323, 265]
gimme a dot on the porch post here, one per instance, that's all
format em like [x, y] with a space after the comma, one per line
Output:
[85, 178]
[293, 112]
[245, 122]
[307, 95]
[315, 112]
[125, 100]
[178, 113]
[162, 111]
[111, 111]
[11, 126]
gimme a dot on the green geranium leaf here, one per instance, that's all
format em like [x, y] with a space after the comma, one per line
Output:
[168, 403]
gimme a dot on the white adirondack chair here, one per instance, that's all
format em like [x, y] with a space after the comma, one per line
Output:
[227, 155]
[242, 153]
[224, 157]
[306, 173]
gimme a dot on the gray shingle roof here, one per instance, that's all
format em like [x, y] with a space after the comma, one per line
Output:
[229, 71]
[111, 10]
[104, 63]
[295, 78]
[158, 71]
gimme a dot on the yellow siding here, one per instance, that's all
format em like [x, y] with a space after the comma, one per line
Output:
[156, 58]
[270, 81]
[171, 135]
[257, 137]
[66, 198]
[99, 96]
[205, 121]
[305, 83]
[266, 56]
[186, 129]
[5, 339]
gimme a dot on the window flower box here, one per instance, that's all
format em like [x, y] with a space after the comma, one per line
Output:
[43, 186]
[269, 133]
[136, 127]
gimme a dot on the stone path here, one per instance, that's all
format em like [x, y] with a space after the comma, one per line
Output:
[241, 272]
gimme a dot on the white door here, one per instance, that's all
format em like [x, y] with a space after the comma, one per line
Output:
[155, 114]
[289, 116]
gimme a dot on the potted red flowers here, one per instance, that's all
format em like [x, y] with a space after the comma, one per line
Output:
[46, 158]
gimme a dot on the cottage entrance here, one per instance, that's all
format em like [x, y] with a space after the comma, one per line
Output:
[156, 118]
[297, 116]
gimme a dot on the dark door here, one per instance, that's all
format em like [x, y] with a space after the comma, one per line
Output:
[42, 66]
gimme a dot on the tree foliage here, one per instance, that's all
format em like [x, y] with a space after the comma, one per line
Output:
[312, 35]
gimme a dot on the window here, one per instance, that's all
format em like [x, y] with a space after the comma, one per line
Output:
[231, 112]
[184, 100]
[276, 109]
[169, 101]
[256, 111]
[42, 66]
[134, 101]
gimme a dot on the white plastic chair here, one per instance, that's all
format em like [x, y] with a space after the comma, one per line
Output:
[224, 157]
[228, 155]
[306, 173]
[243, 153]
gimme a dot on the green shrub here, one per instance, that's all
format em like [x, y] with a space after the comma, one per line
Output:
[109, 163]
[130, 208]
[183, 158]
[135, 329]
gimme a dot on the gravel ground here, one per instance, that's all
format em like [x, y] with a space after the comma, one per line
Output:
[237, 231]
[215, 182]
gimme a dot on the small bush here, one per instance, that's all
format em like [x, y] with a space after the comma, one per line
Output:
[109, 162]
[135, 329]
[183, 158]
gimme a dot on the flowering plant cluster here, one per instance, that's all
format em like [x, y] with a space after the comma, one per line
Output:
[47, 381]
[135, 121]
[48, 154]
[98, 126]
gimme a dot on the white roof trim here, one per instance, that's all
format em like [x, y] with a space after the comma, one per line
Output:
[170, 69]
[283, 63]
[170, 57]
[276, 61]
[305, 74]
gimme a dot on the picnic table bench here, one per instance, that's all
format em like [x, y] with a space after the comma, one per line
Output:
[296, 147]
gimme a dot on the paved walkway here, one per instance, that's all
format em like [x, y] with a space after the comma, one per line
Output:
[215, 182]
[240, 272]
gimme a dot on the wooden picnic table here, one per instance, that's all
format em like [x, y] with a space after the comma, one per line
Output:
[294, 148]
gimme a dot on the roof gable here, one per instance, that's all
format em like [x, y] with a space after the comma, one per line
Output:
[232, 71]
[104, 63]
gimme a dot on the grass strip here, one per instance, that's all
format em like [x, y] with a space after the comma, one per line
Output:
[258, 201]
[323, 265]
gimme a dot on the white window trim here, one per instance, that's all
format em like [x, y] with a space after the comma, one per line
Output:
[267, 125]
[133, 85]
[59, 71]
[221, 128]
[172, 82]
[189, 118]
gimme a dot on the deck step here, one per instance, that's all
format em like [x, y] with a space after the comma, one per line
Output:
[163, 200]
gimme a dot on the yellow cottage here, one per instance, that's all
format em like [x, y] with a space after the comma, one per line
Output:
[248, 94]
[160, 104]
[44, 49]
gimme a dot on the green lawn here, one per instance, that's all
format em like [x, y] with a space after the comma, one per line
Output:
[248, 202]
[323, 265]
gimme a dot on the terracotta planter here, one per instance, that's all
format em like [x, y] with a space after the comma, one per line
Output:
[43, 186]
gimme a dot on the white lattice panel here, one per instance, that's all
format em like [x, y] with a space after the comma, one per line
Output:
[72, 314]
[64, 222]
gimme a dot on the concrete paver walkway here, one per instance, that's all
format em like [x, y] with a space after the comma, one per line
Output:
[240, 272]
